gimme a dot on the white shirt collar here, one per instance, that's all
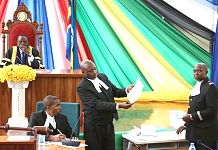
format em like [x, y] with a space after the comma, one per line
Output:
[50, 120]
[20, 51]
[196, 88]
[98, 83]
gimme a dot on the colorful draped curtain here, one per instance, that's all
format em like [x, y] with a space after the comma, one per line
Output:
[214, 65]
[215, 2]
[124, 38]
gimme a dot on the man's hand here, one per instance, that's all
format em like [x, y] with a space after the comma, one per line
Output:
[186, 118]
[57, 137]
[130, 87]
[180, 129]
[25, 49]
[75, 138]
[125, 105]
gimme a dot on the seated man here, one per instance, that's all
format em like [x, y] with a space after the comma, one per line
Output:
[22, 54]
[51, 117]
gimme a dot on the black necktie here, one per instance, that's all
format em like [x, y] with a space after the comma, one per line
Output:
[103, 90]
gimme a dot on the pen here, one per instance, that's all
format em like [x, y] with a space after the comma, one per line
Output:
[133, 107]
[59, 131]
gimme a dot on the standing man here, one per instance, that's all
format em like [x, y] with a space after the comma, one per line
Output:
[22, 54]
[201, 121]
[97, 94]
[51, 117]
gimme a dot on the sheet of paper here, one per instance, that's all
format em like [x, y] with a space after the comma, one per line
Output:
[136, 91]
[175, 117]
[135, 127]
[148, 130]
[60, 144]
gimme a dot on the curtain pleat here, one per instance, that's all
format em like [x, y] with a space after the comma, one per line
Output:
[171, 43]
[84, 51]
[108, 53]
[63, 6]
[3, 7]
[170, 14]
[214, 65]
[196, 32]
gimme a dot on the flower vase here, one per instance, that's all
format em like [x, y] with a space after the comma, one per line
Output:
[18, 118]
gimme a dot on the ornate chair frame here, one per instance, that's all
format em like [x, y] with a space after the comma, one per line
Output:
[22, 16]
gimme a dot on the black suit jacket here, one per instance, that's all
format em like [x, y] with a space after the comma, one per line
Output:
[35, 64]
[39, 118]
[206, 103]
[99, 108]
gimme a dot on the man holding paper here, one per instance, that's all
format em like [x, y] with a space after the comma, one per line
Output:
[97, 95]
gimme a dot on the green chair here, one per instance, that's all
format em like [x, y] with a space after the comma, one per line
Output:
[71, 110]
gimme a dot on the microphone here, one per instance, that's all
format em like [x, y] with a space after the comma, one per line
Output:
[69, 142]
[199, 142]
[19, 60]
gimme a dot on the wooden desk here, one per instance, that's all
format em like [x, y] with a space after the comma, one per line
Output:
[61, 83]
[32, 145]
[59, 147]
[17, 145]
[168, 140]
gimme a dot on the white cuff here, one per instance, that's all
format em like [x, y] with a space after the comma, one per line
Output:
[191, 116]
[126, 91]
[117, 106]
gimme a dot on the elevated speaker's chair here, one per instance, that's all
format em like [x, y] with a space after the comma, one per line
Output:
[71, 110]
[22, 24]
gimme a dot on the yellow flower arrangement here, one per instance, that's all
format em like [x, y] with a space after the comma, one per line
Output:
[17, 73]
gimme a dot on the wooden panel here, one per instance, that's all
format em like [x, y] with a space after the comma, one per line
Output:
[17, 145]
[61, 83]
[32, 145]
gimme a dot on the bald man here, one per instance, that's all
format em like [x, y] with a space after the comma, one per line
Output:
[97, 95]
[201, 119]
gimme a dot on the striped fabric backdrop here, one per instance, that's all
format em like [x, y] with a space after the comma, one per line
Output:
[124, 38]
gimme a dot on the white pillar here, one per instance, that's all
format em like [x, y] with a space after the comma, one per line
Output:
[18, 118]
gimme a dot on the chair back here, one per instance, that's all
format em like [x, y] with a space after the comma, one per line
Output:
[22, 24]
[71, 110]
